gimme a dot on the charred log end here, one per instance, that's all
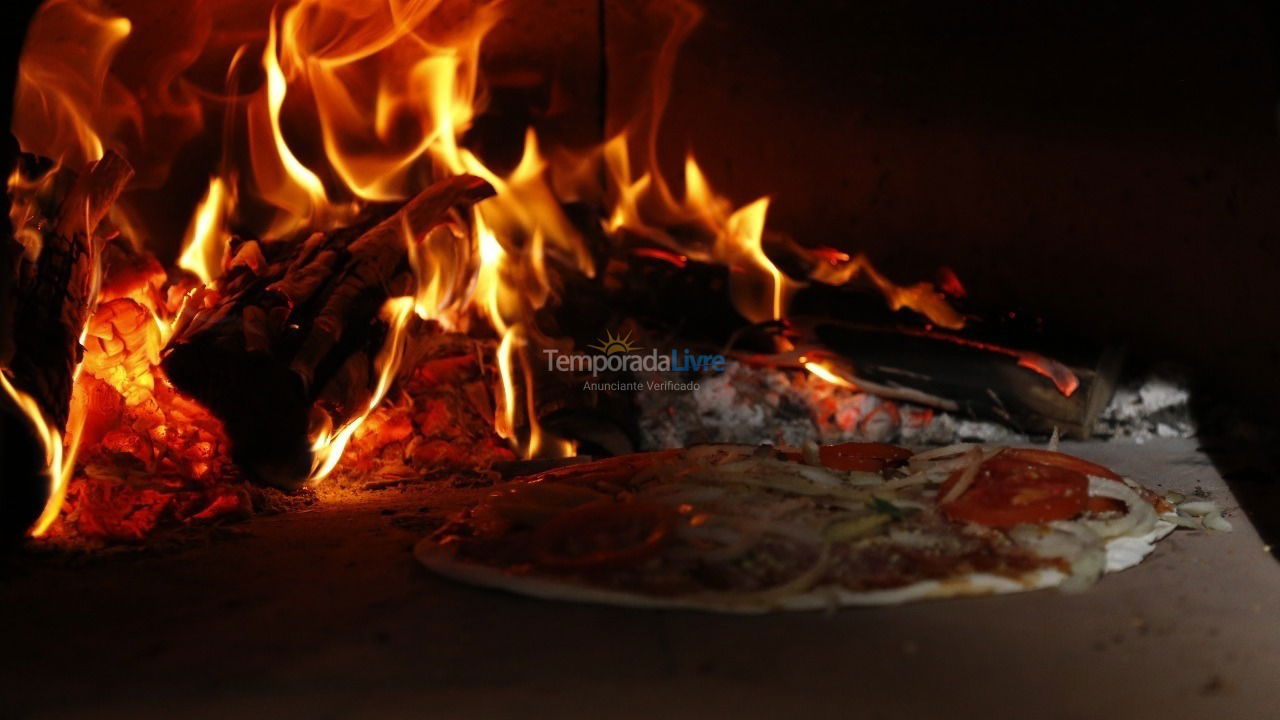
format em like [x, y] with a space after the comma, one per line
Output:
[23, 486]
[262, 404]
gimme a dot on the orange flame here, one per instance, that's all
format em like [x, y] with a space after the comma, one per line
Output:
[829, 375]
[758, 288]
[921, 297]
[206, 242]
[65, 94]
[505, 420]
[328, 445]
[490, 290]
[538, 443]
[282, 178]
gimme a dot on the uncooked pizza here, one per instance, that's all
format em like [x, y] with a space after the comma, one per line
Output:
[751, 529]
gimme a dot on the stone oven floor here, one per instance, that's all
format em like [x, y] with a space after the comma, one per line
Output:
[324, 613]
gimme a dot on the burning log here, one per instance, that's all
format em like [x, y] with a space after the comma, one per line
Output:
[275, 339]
[50, 266]
[968, 373]
[1026, 391]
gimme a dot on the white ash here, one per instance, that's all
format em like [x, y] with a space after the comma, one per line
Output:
[747, 404]
[1156, 406]
[751, 404]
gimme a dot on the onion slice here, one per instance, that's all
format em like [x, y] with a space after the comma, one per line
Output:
[1082, 548]
[967, 476]
[1139, 517]
[729, 543]
[796, 585]
[942, 452]
[1198, 508]
[918, 478]
[1215, 521]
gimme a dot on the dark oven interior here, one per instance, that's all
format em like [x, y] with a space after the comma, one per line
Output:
[283, 281]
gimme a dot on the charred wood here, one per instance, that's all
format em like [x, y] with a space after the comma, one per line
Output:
[1027, 391]
[280, 336]
[50, 268]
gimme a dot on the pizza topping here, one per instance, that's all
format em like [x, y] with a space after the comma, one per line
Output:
[1138, 518]
[602, 535]
[852, 528]
[717, 540]
[683, 492]
[1037, 486]
[1215, 521]
[717, 454]
[1061, 460]
[1081, 548]
[1103, 505]
[795, 531]
[947, 458]
[862, 457]
[921, 477]
[896, 512]
[782, 476]
[963, 478]
[1003, 492]
[796, 584]
[533, 502]
[1195, 514]
[1197, 508]
[854, 457]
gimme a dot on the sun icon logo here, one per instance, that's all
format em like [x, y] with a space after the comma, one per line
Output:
[614, 344]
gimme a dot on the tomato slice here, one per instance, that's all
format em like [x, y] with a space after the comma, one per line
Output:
[601, 535]
[1008, 491]
[859, 457]
[863, 457]
[1070, 462]
[1060, 460]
